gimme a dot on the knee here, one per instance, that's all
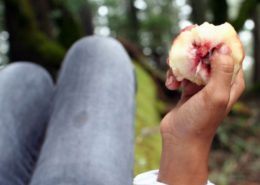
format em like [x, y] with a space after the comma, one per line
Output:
[99, 58]
[104, 51]
[93, 44]
[29, 74]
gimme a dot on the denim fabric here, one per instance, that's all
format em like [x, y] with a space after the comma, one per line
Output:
[85, 122]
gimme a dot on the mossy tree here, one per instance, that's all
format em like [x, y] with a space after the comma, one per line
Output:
[36, 36]
[27, 41]
[42, 12]
[133, 22]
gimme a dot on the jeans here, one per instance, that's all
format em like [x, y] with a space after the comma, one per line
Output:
[77, 132]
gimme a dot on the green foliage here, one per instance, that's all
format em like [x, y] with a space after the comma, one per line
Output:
[37, 41]
[69, 33]
[49, 50]
[237, 158]
[70, 30]
[27, 15]
[33, 41]
[24, 13]
[1, 16]
[245, 12]
[157, 23]
[256, 88]
[72, 5]
[148, 144]
[67, 21]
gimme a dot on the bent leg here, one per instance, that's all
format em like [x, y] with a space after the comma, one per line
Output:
[25, 95]
[90, 136]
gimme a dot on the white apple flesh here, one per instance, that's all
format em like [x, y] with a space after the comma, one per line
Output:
[191, 51]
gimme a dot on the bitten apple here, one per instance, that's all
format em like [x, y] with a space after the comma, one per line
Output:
[191, 51]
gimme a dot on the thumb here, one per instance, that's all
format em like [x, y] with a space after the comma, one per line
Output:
[222, 67]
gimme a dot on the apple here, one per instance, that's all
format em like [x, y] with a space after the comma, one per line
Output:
[191, 51]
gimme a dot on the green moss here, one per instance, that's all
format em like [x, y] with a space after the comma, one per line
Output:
[70, 30]
[27, 16]
[148, 143]
[49, 50]
[42, 49]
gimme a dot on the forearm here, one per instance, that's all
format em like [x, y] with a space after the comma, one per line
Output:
[185, 162]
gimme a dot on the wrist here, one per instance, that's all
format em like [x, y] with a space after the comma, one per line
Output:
[175, 129]
[184, 162]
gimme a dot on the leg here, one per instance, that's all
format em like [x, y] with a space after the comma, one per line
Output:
[25, 94]
[89, 140]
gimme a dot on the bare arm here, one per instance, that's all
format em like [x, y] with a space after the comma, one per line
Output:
[187, 131]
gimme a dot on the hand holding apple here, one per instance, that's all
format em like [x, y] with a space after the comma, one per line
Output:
[187, 130]
[192, 50]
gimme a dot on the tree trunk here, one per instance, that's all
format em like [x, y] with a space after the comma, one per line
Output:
[246, 11]
[69, 27]
[86, 20]
[133, 22]
[41, 10]
[27, 42]
[256, 75]
[219, 10]
[199, 8]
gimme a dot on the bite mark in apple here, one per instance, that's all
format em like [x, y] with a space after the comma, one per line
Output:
[192, 50]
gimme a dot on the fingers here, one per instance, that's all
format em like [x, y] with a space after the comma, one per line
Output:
[236, 89]
[189, 89]
[222, 67]
[171, 81]
[220, 89]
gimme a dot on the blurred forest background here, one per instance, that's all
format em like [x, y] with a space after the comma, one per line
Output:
[42, 31]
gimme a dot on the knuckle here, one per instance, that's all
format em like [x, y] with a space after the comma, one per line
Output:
[216, 98]
[227, 67]
[224, 63]
[220, 99]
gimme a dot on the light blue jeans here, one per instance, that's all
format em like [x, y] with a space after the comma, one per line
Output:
[79, 132]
